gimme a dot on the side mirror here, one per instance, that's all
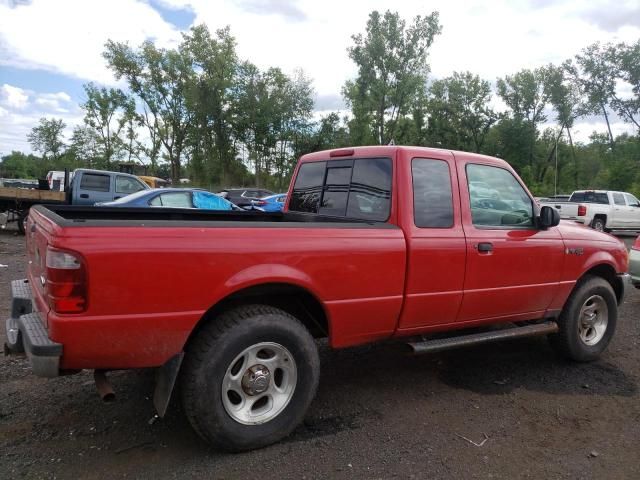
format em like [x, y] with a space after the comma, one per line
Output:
[549, 217]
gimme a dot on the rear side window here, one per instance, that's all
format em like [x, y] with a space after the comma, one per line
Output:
[308, 188]
[589, 197]
[432, 195]
[95, 182]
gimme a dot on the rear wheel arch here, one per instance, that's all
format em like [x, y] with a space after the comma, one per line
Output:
[292, 299]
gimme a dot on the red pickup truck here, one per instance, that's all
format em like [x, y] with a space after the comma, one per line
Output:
[376, 243]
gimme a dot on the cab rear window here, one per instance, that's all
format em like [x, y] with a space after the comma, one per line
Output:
[359, 189]
[589, 197]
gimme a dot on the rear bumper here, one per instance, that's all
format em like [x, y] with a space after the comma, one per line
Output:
[26, 333]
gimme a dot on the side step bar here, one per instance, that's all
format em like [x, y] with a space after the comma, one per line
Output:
[439, 344]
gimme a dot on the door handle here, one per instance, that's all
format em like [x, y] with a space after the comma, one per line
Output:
[84, 195]
[485, 247]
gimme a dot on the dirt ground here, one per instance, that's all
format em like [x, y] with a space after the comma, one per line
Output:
[378, 414]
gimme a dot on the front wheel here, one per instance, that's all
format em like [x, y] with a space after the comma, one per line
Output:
[587, 322]
[22, 218]
[249, 377]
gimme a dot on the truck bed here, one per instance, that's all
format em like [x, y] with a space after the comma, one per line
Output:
[78, 216]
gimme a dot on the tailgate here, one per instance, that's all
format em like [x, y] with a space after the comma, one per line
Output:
[567, 210]
[37, 239]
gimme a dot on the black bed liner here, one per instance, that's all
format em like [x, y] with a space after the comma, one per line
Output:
[79, 216]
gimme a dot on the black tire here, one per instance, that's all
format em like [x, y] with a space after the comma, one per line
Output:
[208, 361]
[589, 292]
[598, 224]
[22, 217]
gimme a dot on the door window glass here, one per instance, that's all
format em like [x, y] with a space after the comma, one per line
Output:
[432, 194]
[95, 182]
[128, 185]
[631, 200]
[500, 200]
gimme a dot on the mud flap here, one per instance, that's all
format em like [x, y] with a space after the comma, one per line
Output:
[166, 376]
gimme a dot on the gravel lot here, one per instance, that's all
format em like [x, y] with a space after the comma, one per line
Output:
[378, 414]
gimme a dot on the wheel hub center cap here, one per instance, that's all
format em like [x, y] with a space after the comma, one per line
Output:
[590, 320]
[256, 380]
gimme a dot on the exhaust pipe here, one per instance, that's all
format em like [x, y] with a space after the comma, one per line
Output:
[103, 386]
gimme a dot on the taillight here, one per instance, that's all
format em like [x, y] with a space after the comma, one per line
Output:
[582, 210]
[259, 203]
[65, 286]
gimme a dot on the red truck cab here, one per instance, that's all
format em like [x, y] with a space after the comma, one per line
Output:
[375, 243]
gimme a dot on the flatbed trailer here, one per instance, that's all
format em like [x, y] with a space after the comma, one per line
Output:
[16, 202]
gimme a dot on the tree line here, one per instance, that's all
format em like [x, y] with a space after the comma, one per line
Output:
[199, 111]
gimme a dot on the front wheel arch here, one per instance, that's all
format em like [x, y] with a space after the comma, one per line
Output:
[591, 302]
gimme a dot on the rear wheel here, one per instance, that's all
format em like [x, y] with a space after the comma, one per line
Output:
[249, 377]
[587, 322]
[598, 224]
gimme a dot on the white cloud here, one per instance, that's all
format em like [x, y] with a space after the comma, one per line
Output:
[68, 36]
[16, 121]
[490, 38]
[13, 97]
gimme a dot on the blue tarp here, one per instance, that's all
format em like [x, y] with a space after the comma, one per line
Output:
[209, 201]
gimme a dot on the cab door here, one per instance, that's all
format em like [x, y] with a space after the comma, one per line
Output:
[512, 267]
[92, 187]
[436, 247]
[633, 206]
[620, 211]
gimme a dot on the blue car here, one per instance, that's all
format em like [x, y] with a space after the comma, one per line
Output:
[272, 203]
[173, 198]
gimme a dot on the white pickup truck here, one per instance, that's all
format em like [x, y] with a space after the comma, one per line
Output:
[603, 210]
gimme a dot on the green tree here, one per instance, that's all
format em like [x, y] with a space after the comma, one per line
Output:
[627, 61]
[211, 99]
[459, 111]
[526, 93]
[47, 138]
[85, 146]
[160, 78]
[392, 69]
[107, 112]
[21, 165]
[594, 72]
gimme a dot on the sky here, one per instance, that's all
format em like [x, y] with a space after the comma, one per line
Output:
[50, 48]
